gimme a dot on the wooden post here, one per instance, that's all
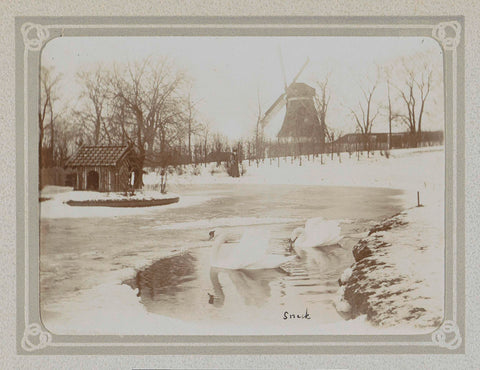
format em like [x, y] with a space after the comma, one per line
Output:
[418, 199]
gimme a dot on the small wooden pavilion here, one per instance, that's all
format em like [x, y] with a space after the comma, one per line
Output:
[105, 168]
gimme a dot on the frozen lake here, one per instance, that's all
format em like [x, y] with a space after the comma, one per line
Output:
[78, 254]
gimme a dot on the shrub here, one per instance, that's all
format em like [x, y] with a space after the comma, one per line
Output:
[217, 169]
[196, 171]
[179, 170]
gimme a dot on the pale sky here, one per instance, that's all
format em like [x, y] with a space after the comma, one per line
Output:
[228, 71]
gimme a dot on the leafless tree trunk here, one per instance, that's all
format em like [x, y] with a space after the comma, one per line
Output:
[192, 126]
[148, 90]
[95, 91]
[414, 95]
[48, 95]
[366, 114]
[322, 101]
[390, 116]
[204, 134]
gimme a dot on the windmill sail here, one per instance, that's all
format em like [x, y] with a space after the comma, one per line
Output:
[274, 109]
[281, 100]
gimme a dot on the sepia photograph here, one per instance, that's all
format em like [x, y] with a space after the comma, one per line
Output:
[242, 185]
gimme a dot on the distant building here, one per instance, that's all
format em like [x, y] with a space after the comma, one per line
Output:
[357, 141]
[102, 168]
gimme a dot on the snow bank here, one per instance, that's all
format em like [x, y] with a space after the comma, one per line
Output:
[398, 276]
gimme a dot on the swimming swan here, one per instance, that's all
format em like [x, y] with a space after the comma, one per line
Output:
[250, 253]
[317, 233]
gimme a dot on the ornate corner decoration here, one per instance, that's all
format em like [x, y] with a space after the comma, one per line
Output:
[454, 341]
[34, 35]
[448, 34]
[34, 338]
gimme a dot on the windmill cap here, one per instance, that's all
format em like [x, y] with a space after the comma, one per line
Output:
[300, 89]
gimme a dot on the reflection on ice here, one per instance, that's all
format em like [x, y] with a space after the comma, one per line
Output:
[165, 277]
[252, 285]
[250, 253]
[324, 257]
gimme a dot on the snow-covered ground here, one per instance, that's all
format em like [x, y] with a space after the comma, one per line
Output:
[55, 205]
[412, 170]
[415, 255]
[404, 169]
[400, 280]
[398, 276]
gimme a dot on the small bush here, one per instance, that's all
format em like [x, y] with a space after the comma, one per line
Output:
[218, 169]
[196, 171]
[179, 170]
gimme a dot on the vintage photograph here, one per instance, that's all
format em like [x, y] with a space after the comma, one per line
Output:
[243, 185]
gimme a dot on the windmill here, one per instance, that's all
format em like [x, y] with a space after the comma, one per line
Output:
[301, 122]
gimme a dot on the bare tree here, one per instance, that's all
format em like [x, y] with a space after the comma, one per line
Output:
[192, 125]
[147, 91]
[204, 131]
[322, 101]
[390, 115]
[414, 94]
[366, 113]
[95, 87]
[49, 82]
[65, 143]
[333, 134]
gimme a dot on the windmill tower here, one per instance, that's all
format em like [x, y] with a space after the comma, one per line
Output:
[301, 122]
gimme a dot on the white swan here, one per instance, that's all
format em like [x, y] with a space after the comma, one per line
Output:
[250, 253]
[317, 233]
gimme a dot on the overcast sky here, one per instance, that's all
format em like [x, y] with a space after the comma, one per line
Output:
[229, 71]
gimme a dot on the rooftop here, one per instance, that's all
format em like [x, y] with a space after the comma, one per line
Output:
[97, 155]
